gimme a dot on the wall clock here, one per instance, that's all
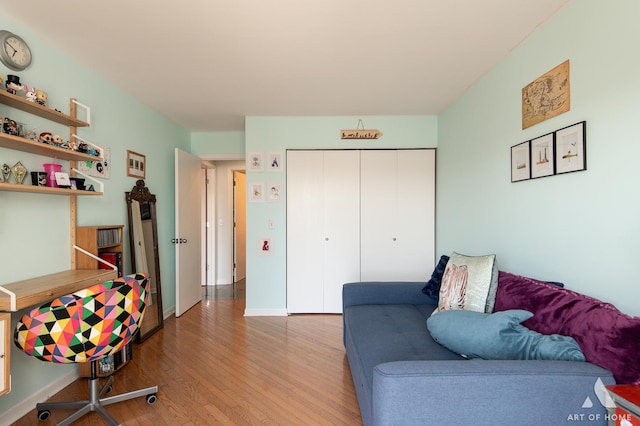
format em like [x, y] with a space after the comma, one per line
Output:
[14, 51]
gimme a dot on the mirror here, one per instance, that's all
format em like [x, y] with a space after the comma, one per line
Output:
[143, 239]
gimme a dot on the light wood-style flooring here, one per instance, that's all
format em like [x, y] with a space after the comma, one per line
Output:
[215, 366]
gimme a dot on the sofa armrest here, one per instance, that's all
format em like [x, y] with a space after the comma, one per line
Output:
[384, 293]
[483, 392]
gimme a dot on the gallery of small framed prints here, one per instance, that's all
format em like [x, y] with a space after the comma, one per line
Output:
[558, 152]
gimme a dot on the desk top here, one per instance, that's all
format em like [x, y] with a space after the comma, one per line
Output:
[36, 291]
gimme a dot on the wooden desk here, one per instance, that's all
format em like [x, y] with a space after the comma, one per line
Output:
[36, 291]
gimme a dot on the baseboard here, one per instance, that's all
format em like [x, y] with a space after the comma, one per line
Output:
[265, 313]
[171, 311]
[18, 411]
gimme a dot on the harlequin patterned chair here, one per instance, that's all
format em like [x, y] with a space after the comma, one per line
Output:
[86, 326]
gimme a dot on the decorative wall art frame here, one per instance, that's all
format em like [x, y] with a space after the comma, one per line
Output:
[136, 165]
[101, 169]
[547, 96]
[255, 161]
[520, 162]
[571, 152]
[256, 192]
[542, 156]
[275, 162]
[265, 246]
[274, 192]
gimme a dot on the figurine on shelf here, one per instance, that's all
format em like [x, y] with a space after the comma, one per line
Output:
[6, 172]
[30, 93]
[45, 137]
[32, 135]
[10, 126]
[56, 140]
[19, 172]
[13, 84]
[41, 97]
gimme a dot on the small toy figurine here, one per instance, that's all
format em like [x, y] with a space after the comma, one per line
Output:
[9, 126]
[32, 135]
[41, 97]
[13, 84]
[56, 140]
[19, 172]
[30, 93]
[45, 137]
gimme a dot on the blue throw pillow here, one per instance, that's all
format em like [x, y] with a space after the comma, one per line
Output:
[499, 336]
[432, 289]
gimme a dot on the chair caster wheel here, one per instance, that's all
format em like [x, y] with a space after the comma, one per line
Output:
[151, 398]
[44, 415]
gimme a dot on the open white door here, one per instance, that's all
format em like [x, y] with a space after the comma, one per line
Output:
[188, 231]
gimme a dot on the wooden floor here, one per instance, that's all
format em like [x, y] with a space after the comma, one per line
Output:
[214, 366]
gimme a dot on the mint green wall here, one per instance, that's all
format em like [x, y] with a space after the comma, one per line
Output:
[217, 144]
[266, 275]
[581, 228]
[35, 228]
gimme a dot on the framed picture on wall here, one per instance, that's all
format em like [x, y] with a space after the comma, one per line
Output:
[520, 162]
[255, 161]
[256, 192]
[571, 152]
[274, 192]
[274, 162]
[136, 165]
[542, 156]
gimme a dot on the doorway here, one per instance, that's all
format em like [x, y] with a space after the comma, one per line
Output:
[227, 216]
[239, 226]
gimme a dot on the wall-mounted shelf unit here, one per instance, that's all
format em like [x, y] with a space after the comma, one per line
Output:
[50, 114]
[36, 291]
[14, 187]
[34, 147]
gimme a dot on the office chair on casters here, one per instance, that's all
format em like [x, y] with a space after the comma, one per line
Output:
[86, 326]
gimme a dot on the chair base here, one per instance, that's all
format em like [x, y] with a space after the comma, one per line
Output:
[95, 402]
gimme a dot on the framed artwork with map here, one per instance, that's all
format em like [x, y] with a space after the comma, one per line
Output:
[547, 96]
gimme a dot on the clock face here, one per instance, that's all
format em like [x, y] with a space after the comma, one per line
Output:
[14, 51]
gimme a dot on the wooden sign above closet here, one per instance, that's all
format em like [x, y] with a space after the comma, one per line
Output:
[360, 133]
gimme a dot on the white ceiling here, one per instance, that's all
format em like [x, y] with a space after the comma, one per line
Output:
[206, 64]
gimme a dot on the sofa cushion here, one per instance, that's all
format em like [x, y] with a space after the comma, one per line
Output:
[386, 333]
[469, 283]
[432, 288]
[607, 337]
[499, 336]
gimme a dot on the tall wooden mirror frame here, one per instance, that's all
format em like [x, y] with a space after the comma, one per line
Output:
[153, 317]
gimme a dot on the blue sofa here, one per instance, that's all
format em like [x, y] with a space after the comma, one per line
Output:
[403, 377]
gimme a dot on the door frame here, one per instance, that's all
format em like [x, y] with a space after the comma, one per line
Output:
[227, 268]
[236, 221]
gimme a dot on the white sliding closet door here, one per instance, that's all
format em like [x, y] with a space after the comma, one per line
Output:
[397, 215]
[305, 230]
[323, 234]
